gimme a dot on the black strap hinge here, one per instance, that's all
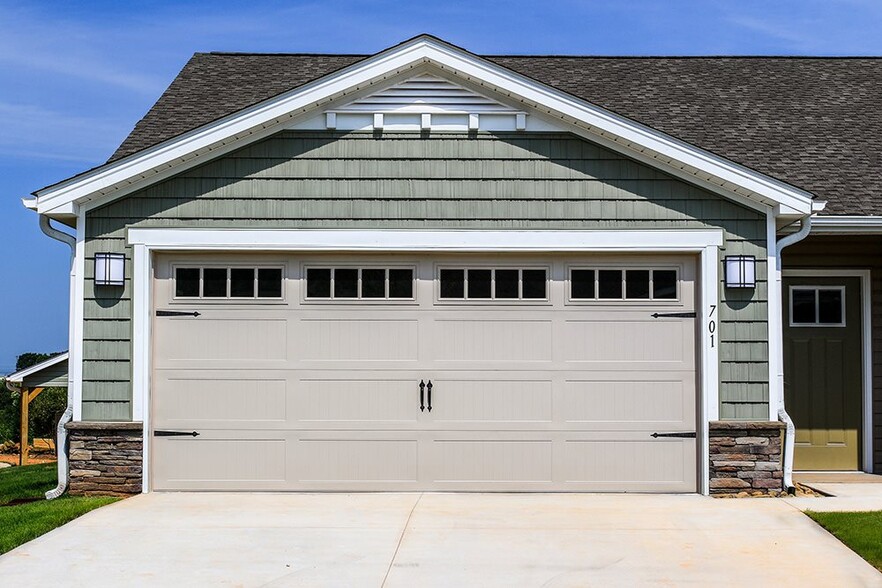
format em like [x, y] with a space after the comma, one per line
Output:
[176, 313]
[175, 433]
[673, 315]
[681, 435]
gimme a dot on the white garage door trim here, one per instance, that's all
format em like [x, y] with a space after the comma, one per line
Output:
[705, 242]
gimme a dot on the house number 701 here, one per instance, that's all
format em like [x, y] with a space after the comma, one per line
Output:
[712, 324]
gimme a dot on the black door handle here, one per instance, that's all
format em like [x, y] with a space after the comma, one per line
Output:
[429, 386]
[422, 403]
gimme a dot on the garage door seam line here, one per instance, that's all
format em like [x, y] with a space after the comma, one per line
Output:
[400, 539]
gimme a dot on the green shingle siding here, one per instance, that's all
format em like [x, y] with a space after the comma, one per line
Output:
[501, 181]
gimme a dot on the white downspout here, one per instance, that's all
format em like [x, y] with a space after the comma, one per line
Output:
[790, 432]
[61, 442]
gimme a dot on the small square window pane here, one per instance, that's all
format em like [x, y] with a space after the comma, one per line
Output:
[637, 284]
[345, 283]
[269, 282]
[664, 284]
[830, 307]
[187, 281]
[479, 283]
[400, 283]
[318, 282]
[214, 282]
[534, 284]
[242, 282]
[610, 284]
[803, 306]
[452, 283]
[373, 283]
[582, 284]
[506, 283]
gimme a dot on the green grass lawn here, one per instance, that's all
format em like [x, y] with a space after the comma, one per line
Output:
[860, 531]
[22, 522]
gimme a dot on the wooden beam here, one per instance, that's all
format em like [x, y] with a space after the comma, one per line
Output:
[23, 427]
[34, 393]
[27, 395]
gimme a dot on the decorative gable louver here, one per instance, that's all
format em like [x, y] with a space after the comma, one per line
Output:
[426, 102]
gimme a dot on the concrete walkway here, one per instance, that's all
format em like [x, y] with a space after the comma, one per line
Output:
[846, 492]
[426, 540]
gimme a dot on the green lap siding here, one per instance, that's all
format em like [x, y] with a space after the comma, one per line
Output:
[409, 181]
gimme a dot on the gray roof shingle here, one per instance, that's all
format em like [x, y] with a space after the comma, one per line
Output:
[815, 123]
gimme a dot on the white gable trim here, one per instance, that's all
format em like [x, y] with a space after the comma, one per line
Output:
[117, 178]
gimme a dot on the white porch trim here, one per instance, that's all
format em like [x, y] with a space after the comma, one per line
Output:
[867, 347]
[705, 243]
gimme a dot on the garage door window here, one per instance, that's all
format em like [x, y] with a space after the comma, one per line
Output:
[349, 283]
[588, 284]
[493, 284]
[228, 282]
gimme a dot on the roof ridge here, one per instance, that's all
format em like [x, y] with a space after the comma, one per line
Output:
[556, 55]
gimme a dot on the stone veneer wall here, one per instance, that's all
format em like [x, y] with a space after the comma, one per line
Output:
[745, 457]
[105, 458]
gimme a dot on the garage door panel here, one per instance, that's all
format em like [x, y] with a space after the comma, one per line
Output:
[258, 461]
[206, 339]
[485, 462]
[506, 340]
[220, 402]
[342, 461]
[481, 400]
[357, 400]
[630, 464]
[645, 404]
[358, 339]
[650, 344]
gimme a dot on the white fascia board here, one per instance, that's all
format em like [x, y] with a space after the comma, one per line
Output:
[20, 375]
[438, 241]
[267, 117]
[869, 225]
[29, 203]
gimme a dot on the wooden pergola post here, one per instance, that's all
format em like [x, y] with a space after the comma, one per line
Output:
[27, 395]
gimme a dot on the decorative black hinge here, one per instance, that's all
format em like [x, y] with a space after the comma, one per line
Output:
[176, 313]
[175, 433]
[673, 315]
[684, 435]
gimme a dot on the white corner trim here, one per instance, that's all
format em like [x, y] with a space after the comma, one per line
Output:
[709, 338]
[867, 347]
[77, 312]
[776, 327]
[408, 240]
[19, 376]
[142, 273]
[264, 118]
[869, 225]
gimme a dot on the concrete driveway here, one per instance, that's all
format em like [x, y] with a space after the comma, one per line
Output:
[410, 540]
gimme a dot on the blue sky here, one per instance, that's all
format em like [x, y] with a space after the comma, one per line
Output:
[76, 76]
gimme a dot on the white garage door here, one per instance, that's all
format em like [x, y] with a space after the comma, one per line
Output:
[415, 373]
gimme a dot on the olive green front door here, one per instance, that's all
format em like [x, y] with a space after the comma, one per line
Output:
[823, 369]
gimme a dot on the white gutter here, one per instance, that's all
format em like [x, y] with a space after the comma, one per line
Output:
[790, 432]
[61, 442]
[869, 225]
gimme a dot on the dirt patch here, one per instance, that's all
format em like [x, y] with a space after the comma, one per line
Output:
[18, 501]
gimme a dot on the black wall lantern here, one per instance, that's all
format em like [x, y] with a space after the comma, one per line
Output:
[110, 269]
[740, 271]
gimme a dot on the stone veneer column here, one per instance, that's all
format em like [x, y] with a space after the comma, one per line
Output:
[105, 458]
[746, 457]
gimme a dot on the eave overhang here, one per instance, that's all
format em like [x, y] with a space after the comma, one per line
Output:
[116, 179]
